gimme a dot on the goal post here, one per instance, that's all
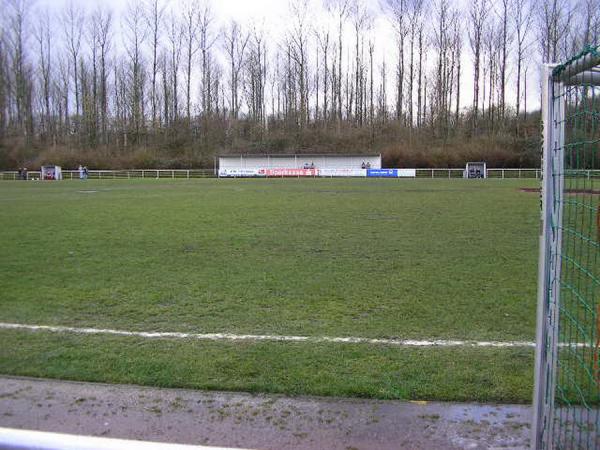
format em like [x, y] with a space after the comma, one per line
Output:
[567, 377]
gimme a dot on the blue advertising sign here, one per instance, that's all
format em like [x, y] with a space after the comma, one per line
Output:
[385, 173]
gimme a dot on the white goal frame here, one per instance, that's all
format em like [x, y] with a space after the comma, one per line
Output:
[584, 69]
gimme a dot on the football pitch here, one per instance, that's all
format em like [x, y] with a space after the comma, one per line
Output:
[393, 260]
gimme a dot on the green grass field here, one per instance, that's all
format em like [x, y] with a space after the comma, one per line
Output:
[422, 259]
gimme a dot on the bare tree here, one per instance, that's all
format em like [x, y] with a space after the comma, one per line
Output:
[135, 33]
[341, 11]
[255, 79]
[121, 101]
[175, 36]
[371, 90]
[154, 13]
[298, 45]
[206, 42]
[505, 41]
[17, 17]
[90, 81]
[323, 41]
[420, 81]
[191, 23]
[362, 21]
[4, 83]
[399, 11]
[415, 20]
[492, 43]
[478, 15]
[457, 44]
[522, 18]
[103, 19]
[445, 65]
[62, 87]
[553, 21]
[73, 19]
[43, 37]
[164, 66]
[590, 12]
[382, 111]
[235, 42]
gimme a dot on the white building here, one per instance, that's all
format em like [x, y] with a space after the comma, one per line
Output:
[297, 165]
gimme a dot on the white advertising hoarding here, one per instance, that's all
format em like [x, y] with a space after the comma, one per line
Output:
[409, 173]
[239, 173]
[342, 172]
[293, 172]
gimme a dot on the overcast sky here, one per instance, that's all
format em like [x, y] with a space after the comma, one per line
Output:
[273, 17]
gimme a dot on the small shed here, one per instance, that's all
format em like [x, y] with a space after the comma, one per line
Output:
[51, 172]
[475, 170]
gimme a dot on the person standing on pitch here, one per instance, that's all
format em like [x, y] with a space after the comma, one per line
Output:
[80, 172]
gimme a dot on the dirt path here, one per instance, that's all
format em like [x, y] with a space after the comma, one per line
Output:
[257, 421]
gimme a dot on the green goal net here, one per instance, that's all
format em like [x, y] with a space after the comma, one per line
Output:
[567, 392]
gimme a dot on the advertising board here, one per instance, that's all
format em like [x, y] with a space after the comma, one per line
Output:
[342, 172]
[239, 173]
[391, 173]
[280, 172]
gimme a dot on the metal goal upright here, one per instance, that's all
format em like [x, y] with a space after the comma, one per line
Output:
[567, 368]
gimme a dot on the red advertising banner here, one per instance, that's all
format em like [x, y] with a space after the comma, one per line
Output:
[289, 172]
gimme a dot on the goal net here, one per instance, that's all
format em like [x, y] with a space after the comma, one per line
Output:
[567, 376]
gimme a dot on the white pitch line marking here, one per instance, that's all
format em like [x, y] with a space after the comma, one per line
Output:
[273, 338]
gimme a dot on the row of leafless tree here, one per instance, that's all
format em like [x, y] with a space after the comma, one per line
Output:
[170, 71]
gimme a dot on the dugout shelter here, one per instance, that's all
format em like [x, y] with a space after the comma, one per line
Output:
[51, 172]
[476, 170]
